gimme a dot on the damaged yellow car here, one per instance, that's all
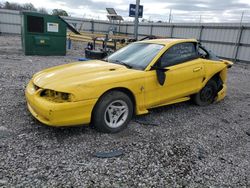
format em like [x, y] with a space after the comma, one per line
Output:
[136, 78]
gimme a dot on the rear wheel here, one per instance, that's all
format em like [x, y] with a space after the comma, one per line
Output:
[112, 112]
[207, 94]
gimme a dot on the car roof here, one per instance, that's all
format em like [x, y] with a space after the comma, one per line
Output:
[167, 41]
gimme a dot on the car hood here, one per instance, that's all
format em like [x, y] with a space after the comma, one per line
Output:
[88, 73]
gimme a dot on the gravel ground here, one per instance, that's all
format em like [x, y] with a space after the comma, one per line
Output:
[181, 145]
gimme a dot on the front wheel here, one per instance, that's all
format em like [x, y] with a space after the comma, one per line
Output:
[207, 94]
[112, 112]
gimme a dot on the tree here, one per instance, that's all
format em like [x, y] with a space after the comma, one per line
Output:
[29, 6]
[12, 6]
[59, 12]
[42, 10]
[16, 6]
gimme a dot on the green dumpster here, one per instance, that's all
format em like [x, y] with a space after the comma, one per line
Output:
[43, 34]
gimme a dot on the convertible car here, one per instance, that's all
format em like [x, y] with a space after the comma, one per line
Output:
[143, 75]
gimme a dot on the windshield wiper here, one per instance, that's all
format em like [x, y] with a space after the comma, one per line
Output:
[125, 64]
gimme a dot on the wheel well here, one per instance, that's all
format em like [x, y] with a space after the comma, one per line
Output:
[121, 89]
[124, 90]
[218, 81]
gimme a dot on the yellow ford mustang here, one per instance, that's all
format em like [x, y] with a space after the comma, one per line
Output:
[138, 77]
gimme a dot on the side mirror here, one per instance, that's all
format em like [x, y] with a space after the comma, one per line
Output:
[161, 76]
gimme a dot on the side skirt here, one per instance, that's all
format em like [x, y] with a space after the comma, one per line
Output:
[173, 102]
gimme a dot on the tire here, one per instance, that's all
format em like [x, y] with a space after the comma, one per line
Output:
[112, 112]
[207, 94]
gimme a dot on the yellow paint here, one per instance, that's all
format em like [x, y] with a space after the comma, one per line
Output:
[222, 93]
[86, 82]
[173, 102]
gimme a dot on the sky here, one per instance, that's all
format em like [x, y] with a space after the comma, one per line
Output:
[182, 10]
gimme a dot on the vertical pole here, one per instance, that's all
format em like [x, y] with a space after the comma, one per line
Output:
[237, 44]
[200, 34]
[114, 44]
[69, 43]
[105, 42]
[241, 19]
[119, 26]
[136, 19]
[172, 31]
[151, 29]
[126, 29]
[238, 39]
[113, 26]
[92, 26]
[170, 15]
[94, 43]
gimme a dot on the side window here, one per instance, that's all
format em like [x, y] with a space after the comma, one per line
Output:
[179, 53]
[35, 24]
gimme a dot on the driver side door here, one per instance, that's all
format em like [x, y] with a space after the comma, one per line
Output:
[184, 75]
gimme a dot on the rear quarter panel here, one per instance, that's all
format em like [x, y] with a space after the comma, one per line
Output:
[214, 67]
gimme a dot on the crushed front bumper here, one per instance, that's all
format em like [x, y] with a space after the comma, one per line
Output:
[58, 114]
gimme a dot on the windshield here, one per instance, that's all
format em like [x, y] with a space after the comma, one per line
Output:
[135, 55]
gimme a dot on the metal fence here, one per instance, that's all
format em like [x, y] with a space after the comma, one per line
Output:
[227, 40]
[10, 21]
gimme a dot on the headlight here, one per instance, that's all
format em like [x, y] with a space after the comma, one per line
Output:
[56, 96]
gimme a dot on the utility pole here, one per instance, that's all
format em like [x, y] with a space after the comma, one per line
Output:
[170, 15]
[241, 19]
[136, 19]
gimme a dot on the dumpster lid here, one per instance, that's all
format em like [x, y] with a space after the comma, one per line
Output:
[71, 28]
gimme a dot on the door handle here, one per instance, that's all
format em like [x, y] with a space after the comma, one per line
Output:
[197, 69]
